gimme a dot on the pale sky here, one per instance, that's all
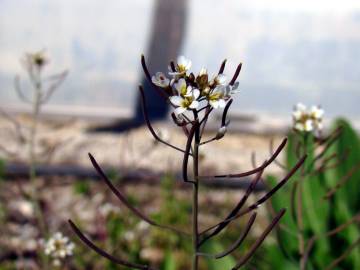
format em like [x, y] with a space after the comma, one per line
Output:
[292, 50]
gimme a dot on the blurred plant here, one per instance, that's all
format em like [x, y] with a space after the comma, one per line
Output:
[43, 88]
[321, 231]
[193, 99]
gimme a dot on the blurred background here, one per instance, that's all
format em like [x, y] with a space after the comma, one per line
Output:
[292, 51]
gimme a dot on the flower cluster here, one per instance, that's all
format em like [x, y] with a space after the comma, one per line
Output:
[58, 247]
[307, 119]
[190, 92]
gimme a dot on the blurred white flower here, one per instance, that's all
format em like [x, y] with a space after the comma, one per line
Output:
[37, 59]
[58, 247]
[142, 226]
[160, 80]
[307, 120]
[108, 209]
[129, 236]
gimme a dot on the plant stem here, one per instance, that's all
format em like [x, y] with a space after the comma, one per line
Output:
[36, 104]
[195, 205]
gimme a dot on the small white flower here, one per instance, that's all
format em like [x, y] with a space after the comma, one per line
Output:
[188, 101]
[142, 226]
[182, 66]
[216, 97]
[182, 88]
[160, 80]
[307, 120]
[129, 236]
[183, 63]
[108, 209]
[58, 247]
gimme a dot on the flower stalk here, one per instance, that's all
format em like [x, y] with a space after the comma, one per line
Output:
[193, 99]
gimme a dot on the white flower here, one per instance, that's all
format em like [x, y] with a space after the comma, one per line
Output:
[187, 101]
[160, 80]
[59, 247]
[182, 88]
[307, 120]
[129, 236]
[216, 97]
[182, 66]
[183, 63]
[108, 209]
[142, 226]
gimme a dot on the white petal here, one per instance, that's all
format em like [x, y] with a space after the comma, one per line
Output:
[188, 65]
[308, 125]
[299, 126]
[222, 103]
[214, 104]
[180, 84]
[181, 60]
[196, 93]
[317, 112]
[194, 104]
[189, 91]
[300, 107]
[176, 100]
[297, 114]
[221, 79]
[179, 110]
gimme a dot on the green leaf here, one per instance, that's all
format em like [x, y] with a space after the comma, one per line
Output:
[169, 261]
[280, 200]
[349, 144]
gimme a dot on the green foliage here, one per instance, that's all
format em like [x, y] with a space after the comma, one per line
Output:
[305, 194]
[169, 261]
